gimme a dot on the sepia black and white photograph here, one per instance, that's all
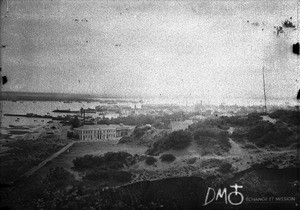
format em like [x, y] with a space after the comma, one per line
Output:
[149, 104]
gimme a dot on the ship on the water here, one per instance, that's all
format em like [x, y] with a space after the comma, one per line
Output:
[65, 111]
[89, 110]
[29, 115]
[75, 112]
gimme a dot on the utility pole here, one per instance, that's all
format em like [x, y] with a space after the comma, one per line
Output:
[264, 86]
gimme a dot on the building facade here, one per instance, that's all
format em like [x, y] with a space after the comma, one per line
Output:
[103, 132]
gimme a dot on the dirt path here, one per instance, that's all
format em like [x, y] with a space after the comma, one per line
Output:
[44, 162]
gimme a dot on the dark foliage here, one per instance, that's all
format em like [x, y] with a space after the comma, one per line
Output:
[192, 160]
[266, 133]
[72, 135]
[140, 131]
[287, 116]
[167, 158]
[176, 140]
[249, 120]
[58, 177]
[150, 160]
[109, 160]
[211, 139]
[24, 155]
[288, 24]
[75, 122]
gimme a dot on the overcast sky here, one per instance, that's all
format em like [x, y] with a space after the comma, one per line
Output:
[149, 47]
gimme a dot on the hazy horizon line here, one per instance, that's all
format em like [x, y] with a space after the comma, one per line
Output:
[187, 96]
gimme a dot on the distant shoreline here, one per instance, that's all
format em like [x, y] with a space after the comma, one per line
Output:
[62, 97]
[27, 96]
[73, 97]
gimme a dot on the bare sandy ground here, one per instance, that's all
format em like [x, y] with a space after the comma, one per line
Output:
[240, 158]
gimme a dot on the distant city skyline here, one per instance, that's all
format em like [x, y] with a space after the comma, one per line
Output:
[150, 48]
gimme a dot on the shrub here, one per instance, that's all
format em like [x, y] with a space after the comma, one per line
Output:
[97, 175]
[178, 140]
[192, 160]
[72, 135]
[140, 131]
[150, 160]
[116, 156]
[58, 177]
[266, 133]
[167, 158]
[213, 132]
[115, 165]
[110, 160]
[212, 138]
[287, 116]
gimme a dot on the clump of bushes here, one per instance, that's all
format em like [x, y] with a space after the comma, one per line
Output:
[287, 116]
[192, 160]
[58, 177]
[213, 139]
[110, 160]
[140, 131]
[150, 160]
[167, 158]
[249, 120]
[72, 135]
[176, 140]
[266, 133]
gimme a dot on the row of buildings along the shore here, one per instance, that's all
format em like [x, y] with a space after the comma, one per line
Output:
[93, 130]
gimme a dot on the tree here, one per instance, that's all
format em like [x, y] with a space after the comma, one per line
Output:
[75, 122]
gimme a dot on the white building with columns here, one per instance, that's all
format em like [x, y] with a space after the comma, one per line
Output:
[103, 132]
